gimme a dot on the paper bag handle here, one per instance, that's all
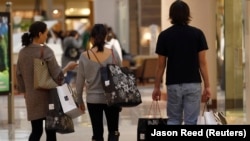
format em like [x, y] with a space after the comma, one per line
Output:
[156, 108]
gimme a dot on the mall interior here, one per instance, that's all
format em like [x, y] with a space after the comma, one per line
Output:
[136, 23]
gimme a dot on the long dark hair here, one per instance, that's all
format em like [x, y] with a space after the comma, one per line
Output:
[179, 13]
[34, 30]
[98, 33]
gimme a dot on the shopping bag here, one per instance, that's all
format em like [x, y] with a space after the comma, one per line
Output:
[144, 123]
[67, 101]
[143, 132]
[57, 120]
[211, 117]
[220, 118]
[201, 120]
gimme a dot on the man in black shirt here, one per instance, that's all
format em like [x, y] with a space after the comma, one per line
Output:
[183, 49]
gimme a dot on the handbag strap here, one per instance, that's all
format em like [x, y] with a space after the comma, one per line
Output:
[41, 52]
[154, 105]
[205, 108]
[113, 57]
[88, 54]
[96, 58]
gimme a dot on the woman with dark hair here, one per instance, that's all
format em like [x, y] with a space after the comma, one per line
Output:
[113, 42]
[88, 74]
[183, 49]
[37, 100]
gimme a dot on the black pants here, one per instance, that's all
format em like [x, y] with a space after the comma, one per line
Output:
[37, 131]
[96, 117]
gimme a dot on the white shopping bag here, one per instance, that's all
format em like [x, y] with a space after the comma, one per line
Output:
[207, 116]
[68, 104]
[201, 120]
[210, 118]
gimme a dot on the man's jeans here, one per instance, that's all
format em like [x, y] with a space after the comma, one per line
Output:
[183, 103]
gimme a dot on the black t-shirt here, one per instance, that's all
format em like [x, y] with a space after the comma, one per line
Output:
[181, 45]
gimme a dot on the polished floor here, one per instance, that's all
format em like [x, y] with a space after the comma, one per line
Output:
[20, 129]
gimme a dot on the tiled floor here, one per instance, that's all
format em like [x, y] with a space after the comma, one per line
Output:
[19, 131]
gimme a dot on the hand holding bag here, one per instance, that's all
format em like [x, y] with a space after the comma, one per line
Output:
[42, 77]
[56, 119]
[119, 85]
[143, 123]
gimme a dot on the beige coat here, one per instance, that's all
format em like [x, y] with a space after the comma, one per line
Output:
[36, 100]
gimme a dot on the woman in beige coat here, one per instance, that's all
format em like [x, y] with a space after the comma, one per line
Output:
[37, 100]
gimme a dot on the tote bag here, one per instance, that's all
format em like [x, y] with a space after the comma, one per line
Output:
[119, 84]
[42, 77]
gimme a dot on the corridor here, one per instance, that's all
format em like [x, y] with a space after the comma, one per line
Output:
[20, 130]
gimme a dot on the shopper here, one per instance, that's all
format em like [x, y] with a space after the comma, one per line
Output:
[85, 37]
[37, 100]
[71, 52]
[183, 49]
[113, 42]
[89, 76]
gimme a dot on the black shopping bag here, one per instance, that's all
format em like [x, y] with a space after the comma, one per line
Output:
[143, 132]
[145, 124]
[56, 119]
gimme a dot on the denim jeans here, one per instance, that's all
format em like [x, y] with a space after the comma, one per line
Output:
[183, 103]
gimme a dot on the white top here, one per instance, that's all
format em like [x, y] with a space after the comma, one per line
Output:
[116, 45]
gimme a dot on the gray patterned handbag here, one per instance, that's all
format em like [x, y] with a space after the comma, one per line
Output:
[119, 84]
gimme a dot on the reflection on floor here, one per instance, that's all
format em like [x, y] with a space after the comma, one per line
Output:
[20, 130]
[234, 116]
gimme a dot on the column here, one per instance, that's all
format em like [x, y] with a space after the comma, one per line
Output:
[247, 54]
[233, 54]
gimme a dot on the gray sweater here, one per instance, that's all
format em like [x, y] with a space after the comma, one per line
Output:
[88, 76]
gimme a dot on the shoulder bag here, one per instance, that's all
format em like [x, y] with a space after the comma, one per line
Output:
[42, 77]
[119, 84]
